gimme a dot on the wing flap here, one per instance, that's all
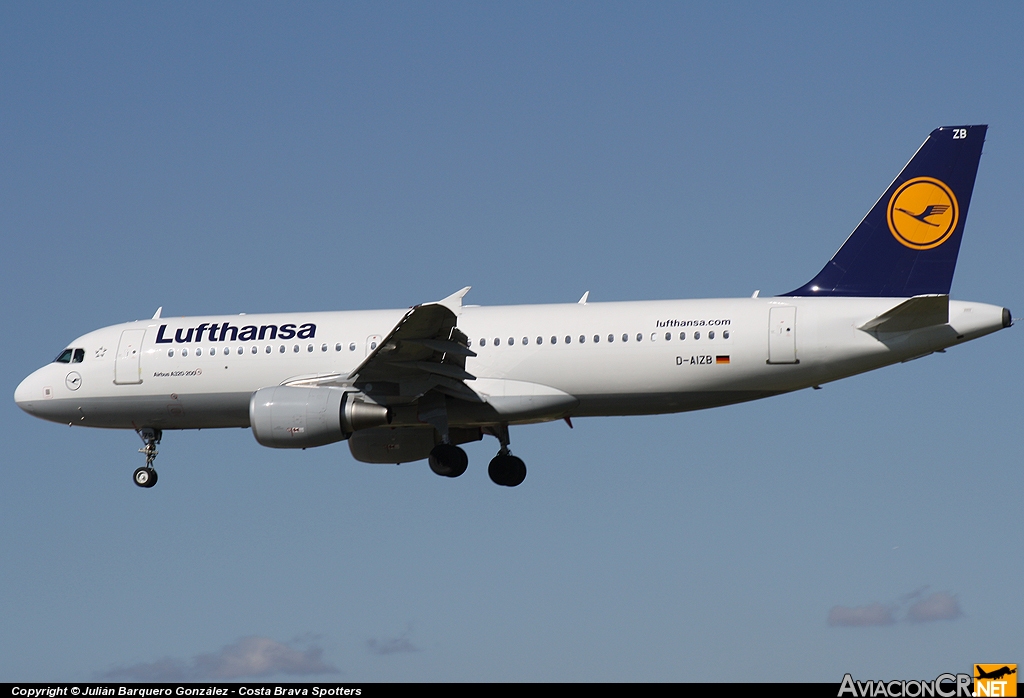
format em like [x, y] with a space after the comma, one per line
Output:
[443, 346]
[425, 351]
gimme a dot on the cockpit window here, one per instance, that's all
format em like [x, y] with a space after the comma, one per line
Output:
[79, 356]
[65, 357]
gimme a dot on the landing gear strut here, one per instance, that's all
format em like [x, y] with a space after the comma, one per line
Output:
[506, 469]
[146, 475]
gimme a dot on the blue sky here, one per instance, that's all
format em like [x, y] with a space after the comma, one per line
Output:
[268, 157]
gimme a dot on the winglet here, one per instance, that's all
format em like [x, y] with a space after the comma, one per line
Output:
[156, 315]
[454, 301]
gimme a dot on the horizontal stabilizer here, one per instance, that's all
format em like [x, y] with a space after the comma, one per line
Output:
[912, 314]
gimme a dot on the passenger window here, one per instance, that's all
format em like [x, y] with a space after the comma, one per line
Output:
[526, 340]
[295, 349]
[184, 352]
[682, 335]
[483, 342]
[540, 340]
[511, 341]
[668, 336]
[269, 349]
[352, 346]
[639, 337]
[568, 339]
[79, 356]
[309, 347]
[725, 335]
[255, 349]
[239, 351]
[611, 338]
[597, 338]
[582, 339]
[323, 347]
[497, 341]
[554, 340]
[282, 349]
[170, 353]
[65, 357]
[337, 347]
[711, 334]
[696, 335]
[625, 337]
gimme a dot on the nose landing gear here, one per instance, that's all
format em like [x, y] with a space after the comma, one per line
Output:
[146, 475]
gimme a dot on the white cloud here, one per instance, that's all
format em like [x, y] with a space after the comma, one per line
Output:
[937, 606]
[860, 616]
[251, 656]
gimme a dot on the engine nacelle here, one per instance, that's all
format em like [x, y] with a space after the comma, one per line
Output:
[404, 444]
[401, 445]
[285, 416]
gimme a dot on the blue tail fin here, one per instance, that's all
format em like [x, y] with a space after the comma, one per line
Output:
[908, 243]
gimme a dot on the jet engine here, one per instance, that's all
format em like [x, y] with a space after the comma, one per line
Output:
[291, 417]
[404, 444]
[401, 445]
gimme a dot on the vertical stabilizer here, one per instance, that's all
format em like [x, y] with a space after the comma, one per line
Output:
[908, 243]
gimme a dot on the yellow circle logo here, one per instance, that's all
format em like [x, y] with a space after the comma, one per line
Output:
[923, 213]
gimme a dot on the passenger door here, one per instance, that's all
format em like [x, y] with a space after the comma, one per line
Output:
[128, 363]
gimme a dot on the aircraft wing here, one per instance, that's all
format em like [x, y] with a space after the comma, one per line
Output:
[425, 351]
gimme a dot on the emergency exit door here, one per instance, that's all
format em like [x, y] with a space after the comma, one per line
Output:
[782, 335]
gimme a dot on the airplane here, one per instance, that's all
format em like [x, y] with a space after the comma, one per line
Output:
[406, 385]
[994, 674]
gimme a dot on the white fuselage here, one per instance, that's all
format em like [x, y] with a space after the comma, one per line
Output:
[576, 359]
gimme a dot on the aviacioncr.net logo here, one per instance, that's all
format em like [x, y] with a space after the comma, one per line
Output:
[995, 680]
[943, 686]
[923, 213]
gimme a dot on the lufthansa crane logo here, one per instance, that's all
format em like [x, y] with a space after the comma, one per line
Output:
[923, 213]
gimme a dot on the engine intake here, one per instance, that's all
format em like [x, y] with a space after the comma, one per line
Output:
[291, 417]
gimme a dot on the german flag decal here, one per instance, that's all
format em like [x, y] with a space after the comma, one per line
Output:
[721, 359]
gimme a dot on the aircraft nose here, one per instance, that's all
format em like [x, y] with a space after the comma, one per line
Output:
[26, 393]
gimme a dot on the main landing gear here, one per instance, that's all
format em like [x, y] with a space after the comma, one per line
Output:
[448, 460]
[146, 475]
[505, 469]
